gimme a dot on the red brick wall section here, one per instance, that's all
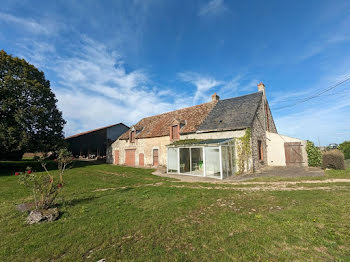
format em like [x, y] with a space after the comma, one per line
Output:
[141, 159]
[116, 157]
[130, 157]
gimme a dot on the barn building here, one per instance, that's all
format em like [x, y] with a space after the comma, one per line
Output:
[94, 143]
[208, 139]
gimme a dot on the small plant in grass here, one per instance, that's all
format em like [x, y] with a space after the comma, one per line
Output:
[314, 154]
[64, 159]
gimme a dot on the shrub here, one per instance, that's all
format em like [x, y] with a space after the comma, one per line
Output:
[333, 159]
[64, 159]
[44, 187]
[314, 154]
[345, 148]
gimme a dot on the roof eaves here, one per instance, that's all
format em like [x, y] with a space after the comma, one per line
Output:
[256, 110]
[94, 130]
[221, 129]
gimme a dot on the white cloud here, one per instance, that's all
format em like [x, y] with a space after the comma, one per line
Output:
[202, 83]
[238, 85]
[29, 24]
[321, 121]
[324, 117]
[37, 52]
[94, 89]
[212, 8]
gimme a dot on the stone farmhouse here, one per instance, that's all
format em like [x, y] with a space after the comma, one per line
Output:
[207, 139]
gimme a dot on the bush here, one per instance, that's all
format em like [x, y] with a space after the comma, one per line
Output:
[43, 186]
[314, 154]
[345, 148]
[333, 159]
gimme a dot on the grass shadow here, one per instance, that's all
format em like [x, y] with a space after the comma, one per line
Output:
[77, 201]
[8, 168]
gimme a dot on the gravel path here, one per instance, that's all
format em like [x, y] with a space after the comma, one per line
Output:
[284, 172]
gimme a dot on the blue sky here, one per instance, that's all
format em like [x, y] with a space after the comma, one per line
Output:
[118, 61]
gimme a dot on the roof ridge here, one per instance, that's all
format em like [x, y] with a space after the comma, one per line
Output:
[94, 130]
[241, 96]
[216, 102]
[256, 110]
[177, 110]
[197, 105]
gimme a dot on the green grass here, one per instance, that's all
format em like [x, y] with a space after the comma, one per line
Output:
[145, 218]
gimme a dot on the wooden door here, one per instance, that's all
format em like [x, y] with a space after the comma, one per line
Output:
[130, 157]
[141, 159]
[155, 157]
[116, 157]
[293, 153]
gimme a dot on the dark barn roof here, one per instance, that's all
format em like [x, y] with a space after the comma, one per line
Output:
[232, 114]
[94, 130]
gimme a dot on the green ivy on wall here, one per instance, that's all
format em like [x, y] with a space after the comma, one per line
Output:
[244, 151]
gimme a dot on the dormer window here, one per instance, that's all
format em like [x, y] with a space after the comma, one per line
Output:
[175, 132]
[132, 137]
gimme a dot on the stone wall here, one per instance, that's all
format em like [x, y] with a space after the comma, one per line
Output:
[259, 133]
[146, 146]
[272, 125]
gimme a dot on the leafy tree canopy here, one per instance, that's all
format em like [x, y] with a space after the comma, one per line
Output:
[29, 118]
[345, 147]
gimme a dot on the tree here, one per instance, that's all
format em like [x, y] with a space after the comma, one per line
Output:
[345, 147]
[29, 118]
[314, 154]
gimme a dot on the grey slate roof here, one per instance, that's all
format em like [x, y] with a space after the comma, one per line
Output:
[232, 114]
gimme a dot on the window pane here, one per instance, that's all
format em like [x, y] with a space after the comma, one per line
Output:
[260, 150]
[172, 160]
[225, 161]
[212, 161]
[184, 160]
[231, 160]
[197, 161]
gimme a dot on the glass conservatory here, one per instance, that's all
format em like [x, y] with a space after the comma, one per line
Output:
[207, 158]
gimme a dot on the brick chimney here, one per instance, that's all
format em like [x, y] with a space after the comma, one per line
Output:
[215, 97]
[261, 87]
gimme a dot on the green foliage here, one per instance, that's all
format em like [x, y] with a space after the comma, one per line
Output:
[244, 151]
[314, 154]
[29, 118]
[333, 159]
[345, 148]
[186, 142]
[64, 159]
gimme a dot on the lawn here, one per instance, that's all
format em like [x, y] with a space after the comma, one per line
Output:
[121, 213]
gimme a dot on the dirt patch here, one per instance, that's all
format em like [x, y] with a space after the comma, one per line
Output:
[253, 186]
[284, 172]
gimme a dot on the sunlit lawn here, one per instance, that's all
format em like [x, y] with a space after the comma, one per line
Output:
[142, 217]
